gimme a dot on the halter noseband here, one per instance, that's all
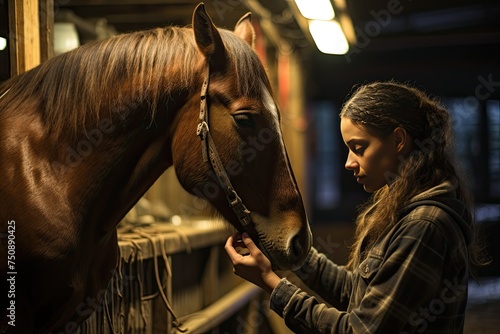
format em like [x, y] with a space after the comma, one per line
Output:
[210, 154]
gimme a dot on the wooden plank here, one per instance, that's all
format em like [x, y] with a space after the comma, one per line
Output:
[46, 17]
[24, 35]
[222, 309]
[127, 2]
[210, 278]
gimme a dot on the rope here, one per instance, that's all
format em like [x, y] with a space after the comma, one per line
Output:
[169, 307]
[109, 318]
[139, 271]
[161, 290]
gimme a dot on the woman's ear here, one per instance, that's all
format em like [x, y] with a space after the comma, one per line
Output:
[402, 140]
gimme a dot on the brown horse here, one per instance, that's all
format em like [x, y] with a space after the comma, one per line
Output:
[85, 134]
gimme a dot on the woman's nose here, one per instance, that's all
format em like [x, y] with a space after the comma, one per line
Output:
[350, 163]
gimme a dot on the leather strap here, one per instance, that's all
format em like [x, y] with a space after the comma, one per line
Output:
[210, 154]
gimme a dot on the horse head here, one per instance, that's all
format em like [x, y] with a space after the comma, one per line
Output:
[238, 113]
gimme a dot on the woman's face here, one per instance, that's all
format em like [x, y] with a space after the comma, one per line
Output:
[373, 160]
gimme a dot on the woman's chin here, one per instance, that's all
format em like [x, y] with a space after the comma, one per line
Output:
[370, 188]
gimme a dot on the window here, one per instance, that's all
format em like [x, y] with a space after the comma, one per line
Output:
[476, 129]
[493, 121]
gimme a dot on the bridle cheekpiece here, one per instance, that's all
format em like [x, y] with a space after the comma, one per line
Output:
[210, 154]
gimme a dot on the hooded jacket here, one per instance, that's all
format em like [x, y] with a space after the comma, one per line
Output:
[413, 280]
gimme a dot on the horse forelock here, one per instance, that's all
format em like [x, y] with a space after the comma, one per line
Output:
[245, 64]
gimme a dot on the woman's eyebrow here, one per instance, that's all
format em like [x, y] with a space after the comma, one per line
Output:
[355, 141]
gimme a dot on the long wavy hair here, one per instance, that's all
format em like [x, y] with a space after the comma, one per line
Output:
[381, 107]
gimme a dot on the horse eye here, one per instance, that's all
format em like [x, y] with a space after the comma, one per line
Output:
[244, 119]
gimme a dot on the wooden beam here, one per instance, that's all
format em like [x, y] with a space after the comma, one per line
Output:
[24, 35]
[267, 25]
[46, 17]
[85, 3]
[222, 309]
[345, 20]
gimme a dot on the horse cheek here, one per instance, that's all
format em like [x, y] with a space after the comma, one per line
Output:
[249, 153]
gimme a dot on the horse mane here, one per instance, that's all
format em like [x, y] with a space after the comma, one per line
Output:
[122, 72]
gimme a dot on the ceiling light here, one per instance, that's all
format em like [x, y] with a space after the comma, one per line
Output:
[316, 9]
[65, 37]
[329, 37]
[3, 43]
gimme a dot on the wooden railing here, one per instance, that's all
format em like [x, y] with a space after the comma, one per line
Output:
[183, 268]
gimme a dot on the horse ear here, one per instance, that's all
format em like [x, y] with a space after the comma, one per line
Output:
[207, 36]
[244, 29]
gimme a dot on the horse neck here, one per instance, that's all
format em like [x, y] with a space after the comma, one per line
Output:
[101, 172]
[132, 159]
[135, 148]
[107, 168]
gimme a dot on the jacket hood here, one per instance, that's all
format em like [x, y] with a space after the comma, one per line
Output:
[444, 196]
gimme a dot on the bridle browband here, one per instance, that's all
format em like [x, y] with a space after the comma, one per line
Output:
[210, 154]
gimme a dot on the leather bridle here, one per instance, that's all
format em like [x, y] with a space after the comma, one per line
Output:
[210, 154]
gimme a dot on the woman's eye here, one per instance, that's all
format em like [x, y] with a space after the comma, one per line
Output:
[359, 149]
[245, 120]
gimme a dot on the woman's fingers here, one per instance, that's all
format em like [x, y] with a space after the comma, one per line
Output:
[252, 266]
[252, 247]
[261, 260]
[239, 246]
[229, 247]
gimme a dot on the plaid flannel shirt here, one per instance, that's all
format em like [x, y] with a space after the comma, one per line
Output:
[413, 280]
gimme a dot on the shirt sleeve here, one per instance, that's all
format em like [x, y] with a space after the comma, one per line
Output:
[329, 280]
[406, 279]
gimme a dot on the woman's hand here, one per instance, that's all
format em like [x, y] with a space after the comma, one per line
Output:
[250, 263]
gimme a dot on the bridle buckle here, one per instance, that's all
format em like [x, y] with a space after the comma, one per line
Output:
[202, 130]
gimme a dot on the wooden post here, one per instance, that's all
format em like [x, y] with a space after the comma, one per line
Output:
[46, 29]
[24, 37]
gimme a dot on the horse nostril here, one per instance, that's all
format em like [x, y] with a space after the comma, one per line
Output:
[296, 248]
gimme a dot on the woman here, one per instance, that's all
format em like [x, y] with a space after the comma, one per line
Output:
[414, 242]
